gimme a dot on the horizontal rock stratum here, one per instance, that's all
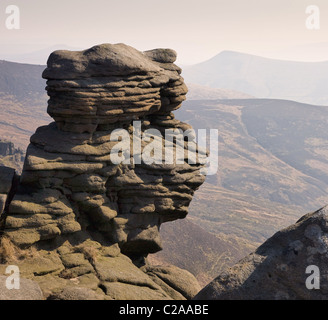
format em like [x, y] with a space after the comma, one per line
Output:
[82, 223]
[92, 89]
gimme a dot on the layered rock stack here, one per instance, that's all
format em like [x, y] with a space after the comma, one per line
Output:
[95, 187]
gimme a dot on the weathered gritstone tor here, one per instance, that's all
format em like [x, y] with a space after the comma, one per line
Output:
[85, 210]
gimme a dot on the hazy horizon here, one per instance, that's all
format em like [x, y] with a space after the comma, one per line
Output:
[197, 30]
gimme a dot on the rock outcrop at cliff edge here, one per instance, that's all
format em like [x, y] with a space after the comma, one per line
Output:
[291, 265]
[96, 185]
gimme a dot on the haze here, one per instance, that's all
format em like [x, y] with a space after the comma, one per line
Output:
[196, 29]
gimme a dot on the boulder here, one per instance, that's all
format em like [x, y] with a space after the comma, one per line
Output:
[178, 283]
[291, 265]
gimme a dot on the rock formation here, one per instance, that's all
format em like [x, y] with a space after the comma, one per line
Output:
[7, 176]
[94, 188]
[10, 156]
[6, 148]
[278, 269]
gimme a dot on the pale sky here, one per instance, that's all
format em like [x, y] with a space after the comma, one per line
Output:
[196, 29]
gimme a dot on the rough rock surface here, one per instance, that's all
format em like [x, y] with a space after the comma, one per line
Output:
[86, 219]
[28, 290]
[277, 270]
[7, 177]
[178, 282]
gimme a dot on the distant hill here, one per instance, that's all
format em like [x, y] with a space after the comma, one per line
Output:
[262, 77]
[21, 80]
[23, 101]
[198, 92]
[36, 57]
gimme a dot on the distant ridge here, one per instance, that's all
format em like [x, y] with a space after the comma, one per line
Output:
[21, 80]
[38, 57]
[22, 101]
[305, 82]
[198, 92]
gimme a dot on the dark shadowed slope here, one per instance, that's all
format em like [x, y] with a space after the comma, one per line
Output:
[264, 181]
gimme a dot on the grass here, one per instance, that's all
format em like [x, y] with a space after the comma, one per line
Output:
[9, 252]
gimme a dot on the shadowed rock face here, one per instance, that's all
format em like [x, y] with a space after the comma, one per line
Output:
[70, 182]
[278, 269]
[7, 176]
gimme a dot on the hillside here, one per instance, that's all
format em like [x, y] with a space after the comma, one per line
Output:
[250, 166]
[262, 77]
[23, 81]
[191, 247]
[258, 188]
[22, 102]
[270, 156]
